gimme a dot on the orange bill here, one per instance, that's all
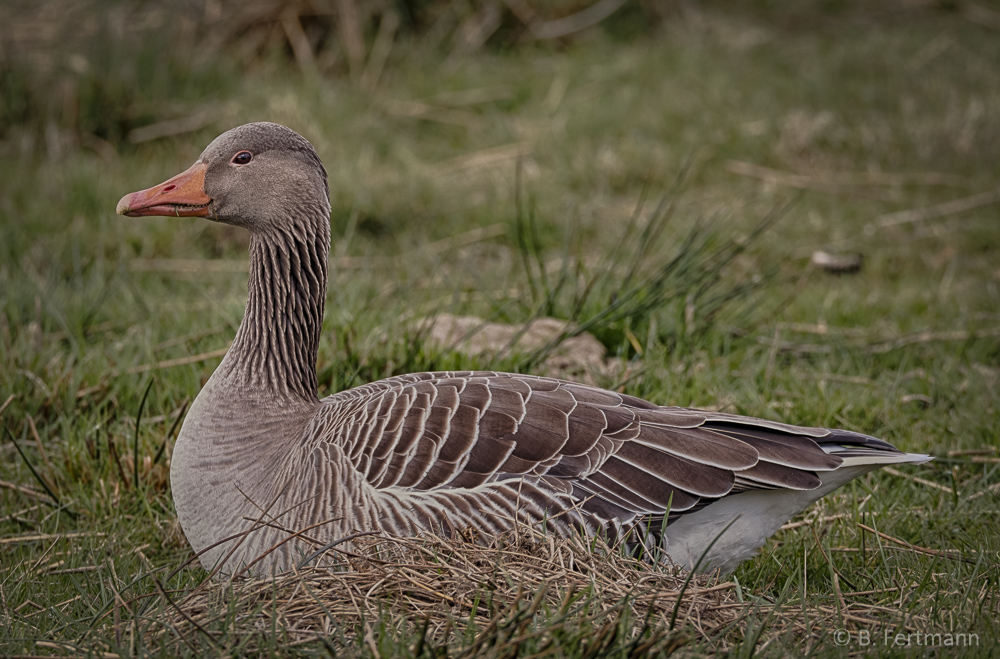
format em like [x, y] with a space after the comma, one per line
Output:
[182, 196]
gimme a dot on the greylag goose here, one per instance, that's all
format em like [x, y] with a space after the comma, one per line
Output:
[260, 458]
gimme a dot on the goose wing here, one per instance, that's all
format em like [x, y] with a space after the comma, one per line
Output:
[619, 456]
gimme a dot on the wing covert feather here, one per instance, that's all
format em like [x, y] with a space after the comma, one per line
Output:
[619, 457]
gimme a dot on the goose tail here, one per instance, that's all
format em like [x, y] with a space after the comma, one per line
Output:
[856, 449]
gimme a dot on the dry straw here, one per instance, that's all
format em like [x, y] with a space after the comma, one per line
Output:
[476, 598]
[521, 593]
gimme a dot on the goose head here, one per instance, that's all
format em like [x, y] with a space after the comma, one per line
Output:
[260, 176]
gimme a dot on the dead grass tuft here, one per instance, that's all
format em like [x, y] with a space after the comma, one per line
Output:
[523, 588]
[523, 594]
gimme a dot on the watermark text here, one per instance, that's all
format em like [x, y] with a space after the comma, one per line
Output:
[888, 638]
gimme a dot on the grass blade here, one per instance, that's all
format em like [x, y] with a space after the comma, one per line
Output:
[38, 477]
[135, 441]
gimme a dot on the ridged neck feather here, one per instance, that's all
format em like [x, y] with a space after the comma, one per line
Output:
[274, 352]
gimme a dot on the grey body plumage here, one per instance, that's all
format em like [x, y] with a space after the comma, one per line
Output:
[445, 452]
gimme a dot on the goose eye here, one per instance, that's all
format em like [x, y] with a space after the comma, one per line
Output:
[242, 158]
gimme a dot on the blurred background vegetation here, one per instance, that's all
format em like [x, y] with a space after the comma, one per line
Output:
[73, 73]
[661, 173]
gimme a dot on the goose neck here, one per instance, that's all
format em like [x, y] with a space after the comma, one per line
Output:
[274, 352]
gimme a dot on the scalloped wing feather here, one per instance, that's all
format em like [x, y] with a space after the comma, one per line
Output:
[600, 459]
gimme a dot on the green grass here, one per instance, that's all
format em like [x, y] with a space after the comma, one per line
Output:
[87, 297]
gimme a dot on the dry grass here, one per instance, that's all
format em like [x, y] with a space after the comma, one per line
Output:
[523, 594]
[478, 599]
